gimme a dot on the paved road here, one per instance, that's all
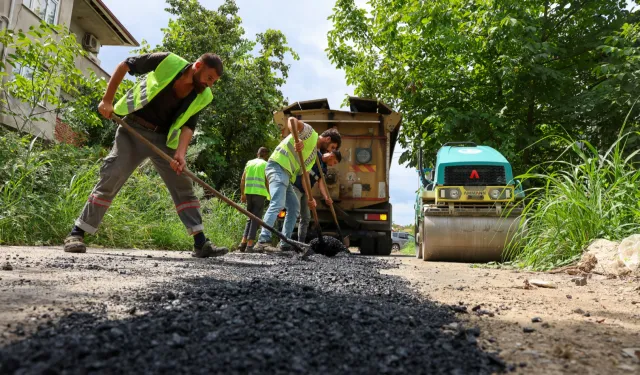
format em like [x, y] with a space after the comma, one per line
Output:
[124, 311]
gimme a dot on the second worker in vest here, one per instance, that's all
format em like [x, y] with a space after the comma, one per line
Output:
[328, 159]
[254, 190]
[282, 169]
[163, 107]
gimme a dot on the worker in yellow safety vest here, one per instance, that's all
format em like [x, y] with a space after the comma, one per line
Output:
[163, 106]
[283, 168]
[254, 191]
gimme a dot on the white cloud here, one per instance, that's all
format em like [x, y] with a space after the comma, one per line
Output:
[322, 68]
[403, 213]
[403, 183]
[364, 4]
[318, 37]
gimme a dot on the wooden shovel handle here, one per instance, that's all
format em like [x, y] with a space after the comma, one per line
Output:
[195, 178]
[306, 182]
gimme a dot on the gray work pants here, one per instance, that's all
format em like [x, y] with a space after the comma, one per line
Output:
[255, 205]
[126, 155]
[305, 215]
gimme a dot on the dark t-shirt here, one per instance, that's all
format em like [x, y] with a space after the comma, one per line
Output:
[165, 107]
[314, 174]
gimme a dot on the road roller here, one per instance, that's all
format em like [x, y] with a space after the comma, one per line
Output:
[468, 206]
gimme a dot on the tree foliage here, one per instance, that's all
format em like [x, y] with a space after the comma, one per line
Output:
[506, 73]
[239, 120]
[85, 120]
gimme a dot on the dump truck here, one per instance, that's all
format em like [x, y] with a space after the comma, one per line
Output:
[468, 206]
[359, 185]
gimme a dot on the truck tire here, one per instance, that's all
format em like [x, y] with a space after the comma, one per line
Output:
[367, 246]
[383, 245]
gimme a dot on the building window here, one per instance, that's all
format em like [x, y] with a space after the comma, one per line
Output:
[45, 9]
[27, 73]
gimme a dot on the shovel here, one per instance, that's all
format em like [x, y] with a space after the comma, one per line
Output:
[303, 248]
[345, 240]
[306, 183]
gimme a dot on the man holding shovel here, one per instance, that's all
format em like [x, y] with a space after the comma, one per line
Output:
[163, 107]
[328, 159]
[282, 169]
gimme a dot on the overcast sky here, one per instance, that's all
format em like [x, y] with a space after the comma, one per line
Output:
[311, 77]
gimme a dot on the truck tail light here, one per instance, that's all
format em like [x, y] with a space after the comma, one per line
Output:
[375, 217]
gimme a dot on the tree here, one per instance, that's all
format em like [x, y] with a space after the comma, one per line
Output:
[85, 119]
[239, 120]
[45, 79]
[508, 73]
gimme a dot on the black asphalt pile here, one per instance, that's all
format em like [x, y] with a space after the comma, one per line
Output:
[329, 246]
[260, 314]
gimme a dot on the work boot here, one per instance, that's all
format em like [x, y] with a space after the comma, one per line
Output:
[242, 247]
[74, 244]
[209, 250]
[263, 247]
[285, 247]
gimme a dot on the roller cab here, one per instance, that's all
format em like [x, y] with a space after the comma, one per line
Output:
[468, 205]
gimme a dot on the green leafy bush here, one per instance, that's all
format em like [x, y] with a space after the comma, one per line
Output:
[589, 195]
[43, 189]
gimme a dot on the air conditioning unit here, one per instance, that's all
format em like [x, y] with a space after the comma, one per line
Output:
[90, 43]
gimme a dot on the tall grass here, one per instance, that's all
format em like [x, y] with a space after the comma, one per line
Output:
[586, 196]
[43, 190]
[409, 248]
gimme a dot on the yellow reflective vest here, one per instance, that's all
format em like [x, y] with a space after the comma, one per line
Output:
[149, 86]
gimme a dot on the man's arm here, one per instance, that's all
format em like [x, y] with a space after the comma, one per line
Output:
[143, 64]
[134, 65]
[189, 127]
[300, 127]
[325, 192]
[193, 121]
[179, 161]
[106, 105]
[243, 197]
[266, 183]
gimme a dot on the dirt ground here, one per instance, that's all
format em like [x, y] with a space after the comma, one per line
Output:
[577, 329]
[45, 283]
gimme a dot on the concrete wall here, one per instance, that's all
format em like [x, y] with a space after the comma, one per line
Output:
[90, 63]
[23, 18]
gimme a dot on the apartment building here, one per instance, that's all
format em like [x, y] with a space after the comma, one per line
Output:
[90, 21]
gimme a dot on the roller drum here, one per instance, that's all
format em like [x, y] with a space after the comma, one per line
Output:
[466, 238]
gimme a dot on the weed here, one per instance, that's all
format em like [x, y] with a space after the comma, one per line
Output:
[43, 190]
[586, 196]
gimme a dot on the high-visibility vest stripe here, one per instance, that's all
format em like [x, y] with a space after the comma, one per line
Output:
[254, 178]
[286, 155]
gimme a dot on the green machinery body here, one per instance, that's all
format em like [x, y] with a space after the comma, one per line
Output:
[467, 206]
